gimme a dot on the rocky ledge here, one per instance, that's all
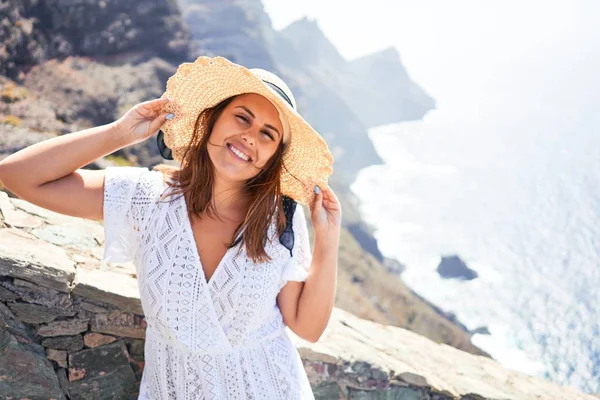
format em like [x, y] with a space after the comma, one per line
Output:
[73, 328]
[360, 359]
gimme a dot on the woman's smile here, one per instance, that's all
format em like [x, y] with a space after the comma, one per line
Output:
[238, 153]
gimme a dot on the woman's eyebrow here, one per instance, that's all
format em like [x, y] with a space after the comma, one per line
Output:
[254, 116]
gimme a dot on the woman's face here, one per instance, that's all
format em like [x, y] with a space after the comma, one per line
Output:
[245, 136]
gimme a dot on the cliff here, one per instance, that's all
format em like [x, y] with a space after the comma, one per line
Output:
[73, 328]
[376, 87]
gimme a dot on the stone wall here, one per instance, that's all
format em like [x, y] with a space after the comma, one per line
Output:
[70, 328]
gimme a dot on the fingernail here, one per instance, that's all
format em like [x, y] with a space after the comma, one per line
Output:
[317, 190]
[169, 116]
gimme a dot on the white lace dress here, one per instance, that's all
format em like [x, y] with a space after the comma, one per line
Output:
[221, 339]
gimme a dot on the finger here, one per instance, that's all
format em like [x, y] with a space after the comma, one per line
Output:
[157, 122]
[154, 104]
[329, 196]
[317, 202]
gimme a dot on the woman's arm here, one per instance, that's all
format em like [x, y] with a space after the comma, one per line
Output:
[48, 173]
[306, 306]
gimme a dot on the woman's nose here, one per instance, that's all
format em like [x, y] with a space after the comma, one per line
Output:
[249, 137]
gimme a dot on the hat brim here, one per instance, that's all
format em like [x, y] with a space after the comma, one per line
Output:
[208, 81]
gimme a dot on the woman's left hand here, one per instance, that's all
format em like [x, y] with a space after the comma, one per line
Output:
[326, 213]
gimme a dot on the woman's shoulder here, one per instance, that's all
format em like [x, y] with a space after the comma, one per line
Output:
[134, 182]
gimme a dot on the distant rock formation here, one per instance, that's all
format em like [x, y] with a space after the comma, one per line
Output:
[376, 87]
[452, 267]
[481, 330]
[232, 29]
[383, 92]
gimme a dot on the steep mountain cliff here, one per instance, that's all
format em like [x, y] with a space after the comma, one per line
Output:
[376, 87]
[383, 91]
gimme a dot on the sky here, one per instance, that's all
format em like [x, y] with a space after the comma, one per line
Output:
[453, 49]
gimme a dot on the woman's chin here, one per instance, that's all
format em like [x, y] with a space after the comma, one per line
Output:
[234, 173]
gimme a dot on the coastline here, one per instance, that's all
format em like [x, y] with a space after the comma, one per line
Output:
[496, 340]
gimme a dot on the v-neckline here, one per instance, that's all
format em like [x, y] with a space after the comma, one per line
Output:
[196, 252]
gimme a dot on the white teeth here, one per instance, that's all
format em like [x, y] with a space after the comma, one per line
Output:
[239, 153]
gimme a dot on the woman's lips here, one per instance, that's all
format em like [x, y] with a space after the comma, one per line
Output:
[239, 154]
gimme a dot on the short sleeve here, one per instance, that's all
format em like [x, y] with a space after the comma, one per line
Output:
[296, 267]
[130, 195]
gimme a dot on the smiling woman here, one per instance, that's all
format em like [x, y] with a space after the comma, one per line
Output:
[217, 287]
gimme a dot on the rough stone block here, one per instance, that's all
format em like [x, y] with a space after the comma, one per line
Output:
[63, 328]
[94, 308]
[113, 288]
[37, 314]
[19, 365]
[327, 391]
[63, 380]
[413, 379]
[120, 324]
[35, 260]
[7, 295]
[10, 323]
[34, 293]
[14, 217]
[93, 339]
[69, 343]
[136, 347]
[60, 356]
[101, 373]
[65, 235]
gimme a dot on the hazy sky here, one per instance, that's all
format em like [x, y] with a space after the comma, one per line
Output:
[461, 45]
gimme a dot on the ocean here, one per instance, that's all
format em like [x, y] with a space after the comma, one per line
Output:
[510, 182]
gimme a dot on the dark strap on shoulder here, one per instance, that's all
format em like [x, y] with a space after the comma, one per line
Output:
[287, 237]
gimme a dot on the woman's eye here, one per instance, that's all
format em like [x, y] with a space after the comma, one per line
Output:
[268, 134]
[243, 118]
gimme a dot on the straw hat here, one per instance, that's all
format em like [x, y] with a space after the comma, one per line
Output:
[208, 81]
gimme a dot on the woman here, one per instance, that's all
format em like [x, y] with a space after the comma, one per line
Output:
[220, 247]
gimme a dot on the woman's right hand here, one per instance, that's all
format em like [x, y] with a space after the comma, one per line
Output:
[141, 121]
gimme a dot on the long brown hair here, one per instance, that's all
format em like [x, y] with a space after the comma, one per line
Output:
[195, 180]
